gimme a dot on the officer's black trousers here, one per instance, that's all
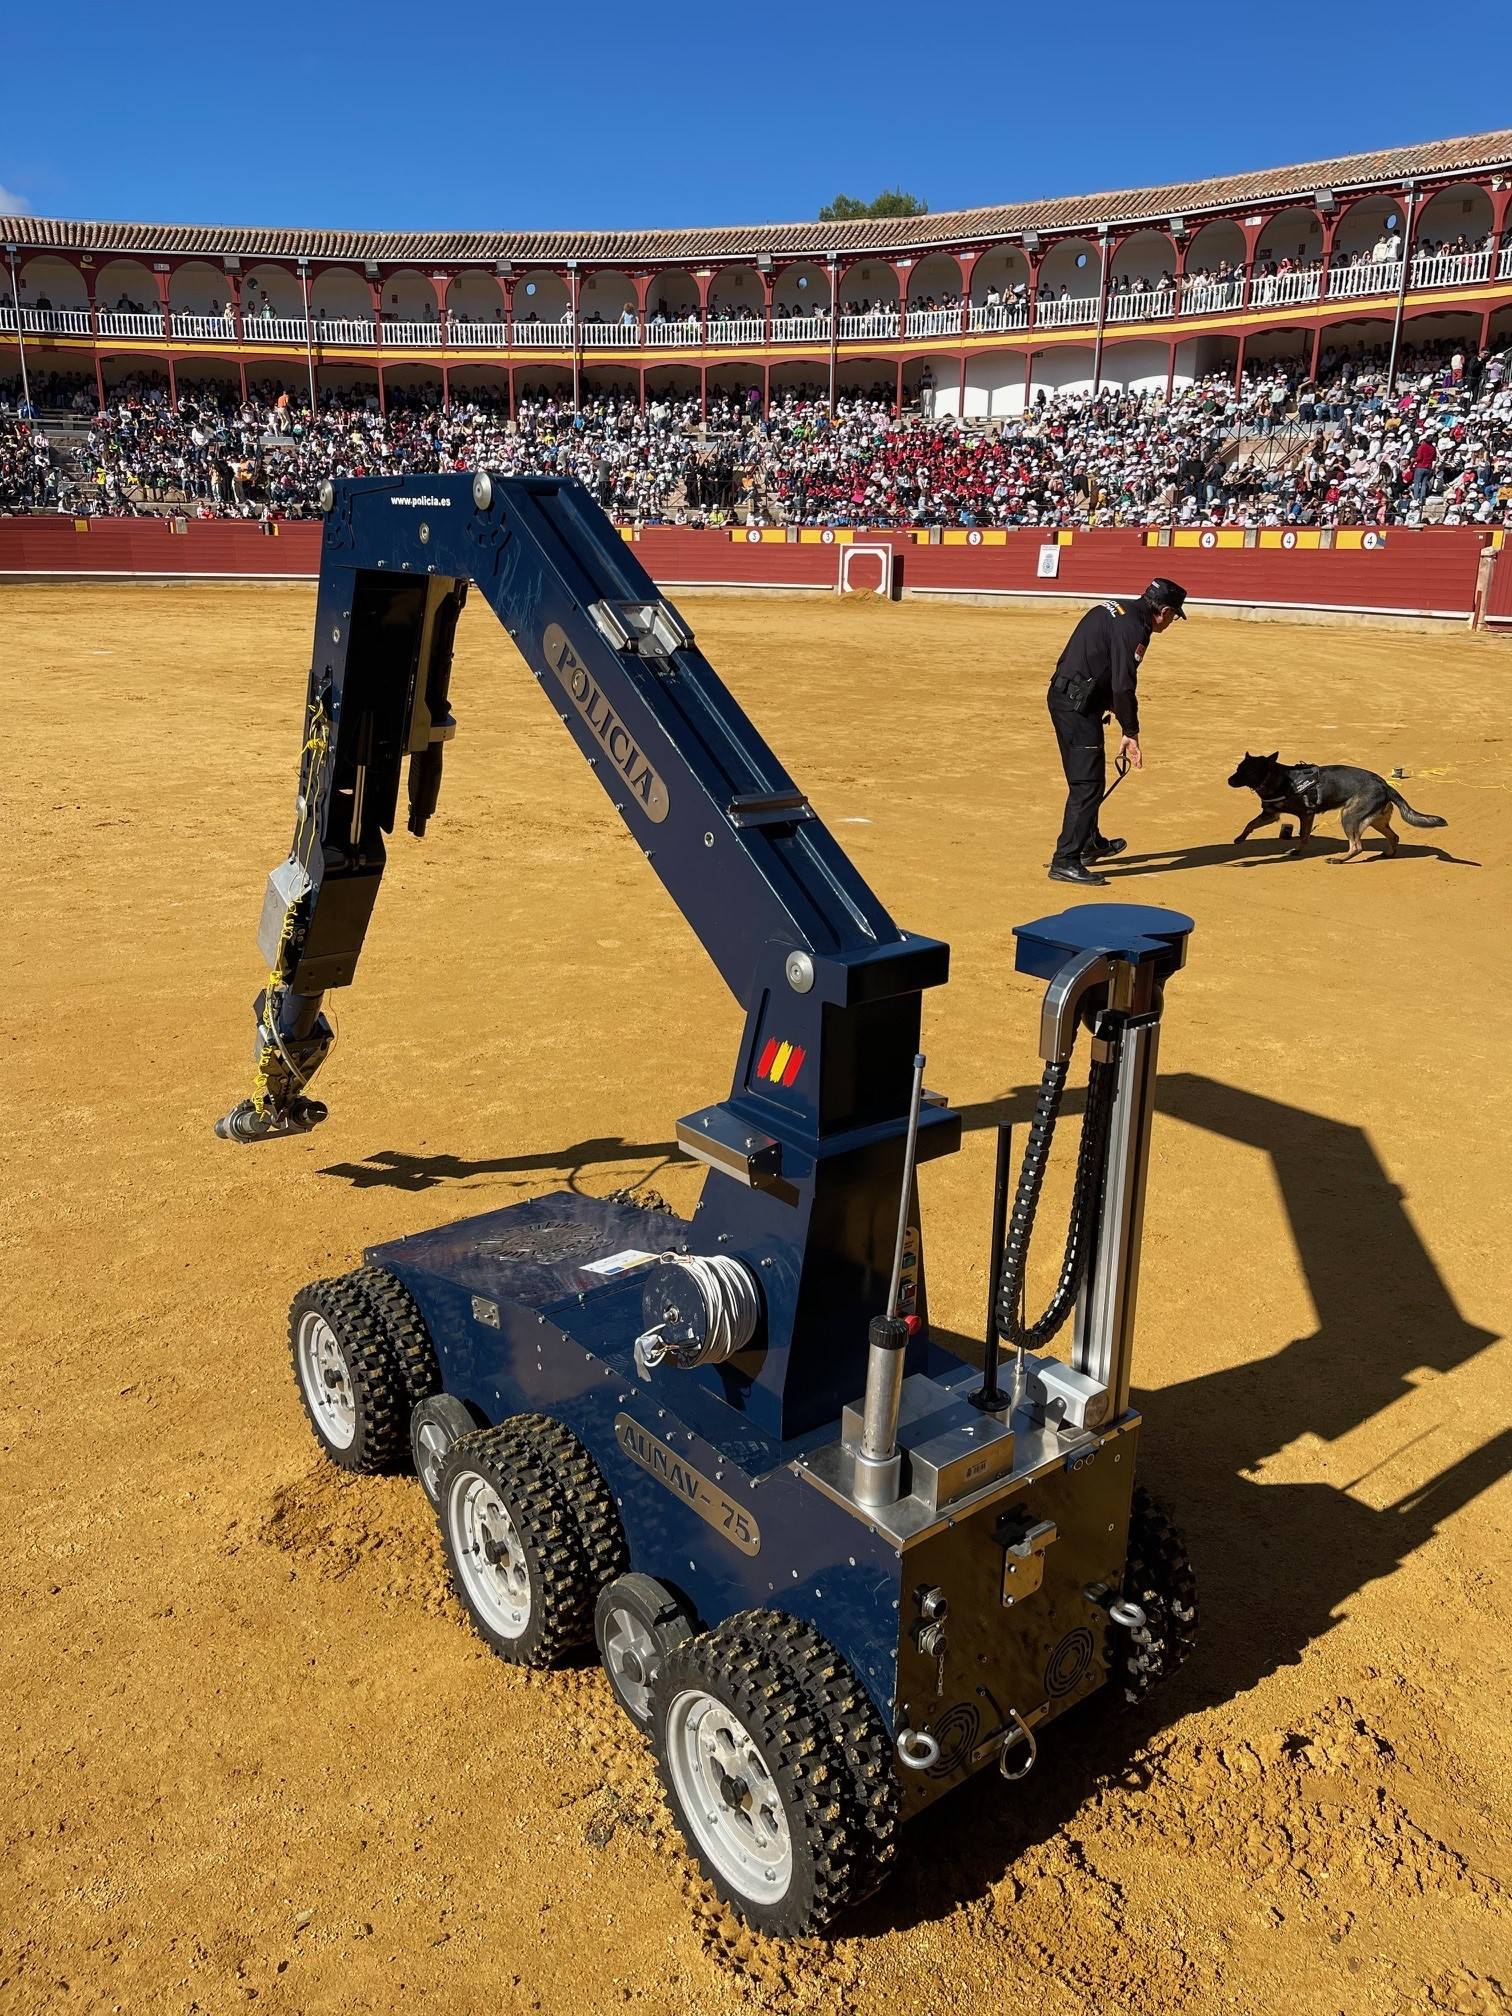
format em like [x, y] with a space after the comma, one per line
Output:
[1081, 751]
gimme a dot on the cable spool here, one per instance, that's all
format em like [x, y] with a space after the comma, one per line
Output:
[698, 1310]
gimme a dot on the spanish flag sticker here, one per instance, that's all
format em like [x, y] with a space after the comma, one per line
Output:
[780, 1063]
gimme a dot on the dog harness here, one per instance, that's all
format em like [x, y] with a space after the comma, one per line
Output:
[1302, 789]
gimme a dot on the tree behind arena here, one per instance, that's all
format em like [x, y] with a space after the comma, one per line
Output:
[891, 203]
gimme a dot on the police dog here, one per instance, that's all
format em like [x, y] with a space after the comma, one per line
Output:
[1303, 790]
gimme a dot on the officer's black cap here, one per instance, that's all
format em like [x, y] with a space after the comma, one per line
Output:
[1163, 594]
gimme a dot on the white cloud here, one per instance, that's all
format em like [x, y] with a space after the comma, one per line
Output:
[12, 205]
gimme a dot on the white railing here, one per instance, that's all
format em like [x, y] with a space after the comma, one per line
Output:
[876, 322]
[1197, 297]
[801, 329]
[737, 329]
[1376, 276]
[610, 336]
[202, 328]
[1276, 290]
[1002, 316]
[933, 322]
[543, 335]
[1211, 297]
[48, 321]
[674, 333]
[130, 325]
[1141, 307]
[274, 328]
[478, 335]
[1056, 313]
[1449, 269]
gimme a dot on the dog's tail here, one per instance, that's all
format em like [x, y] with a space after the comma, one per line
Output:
[1413, 818]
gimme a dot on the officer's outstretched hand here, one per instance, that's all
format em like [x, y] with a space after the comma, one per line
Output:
[1129, 747]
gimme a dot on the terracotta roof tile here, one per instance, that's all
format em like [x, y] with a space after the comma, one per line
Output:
[1433, 159]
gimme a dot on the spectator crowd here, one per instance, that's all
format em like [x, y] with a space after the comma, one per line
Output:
[1276, 449]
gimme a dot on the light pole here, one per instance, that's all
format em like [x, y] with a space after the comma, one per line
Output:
[20, 337]
[304, 281]
[1410, 192]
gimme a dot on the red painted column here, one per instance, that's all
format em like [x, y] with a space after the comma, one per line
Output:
[1317, 351]
[1329, 226]
[704, 279]
[1252, 234]
[641, 282]
[1028, 377]
[766, 383]
[966, 266]
[1178, 274]
[767, 286]
[1171, 370]
[961, 394]
[898, 400]
[902, 269]
[1239, 363]
[703, 390]
[1036, 260]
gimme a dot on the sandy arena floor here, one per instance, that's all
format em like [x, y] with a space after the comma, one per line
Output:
[255, 1756]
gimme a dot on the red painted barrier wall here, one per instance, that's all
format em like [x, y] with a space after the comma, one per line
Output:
[1431, 572]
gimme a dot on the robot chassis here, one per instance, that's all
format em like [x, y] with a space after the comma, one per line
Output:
[831, 1570]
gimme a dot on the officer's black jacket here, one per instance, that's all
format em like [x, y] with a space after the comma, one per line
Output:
[1107, 645]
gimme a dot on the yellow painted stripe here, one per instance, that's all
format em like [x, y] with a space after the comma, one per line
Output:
[81, 524]
[780, 1062]
[838, 535]
[1351, 539]
[963, 536]
[1299, 541]
[628, 532]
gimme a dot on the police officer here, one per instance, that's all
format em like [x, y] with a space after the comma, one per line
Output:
[1098, 672]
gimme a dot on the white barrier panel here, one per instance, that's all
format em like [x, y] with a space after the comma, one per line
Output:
[882, 554]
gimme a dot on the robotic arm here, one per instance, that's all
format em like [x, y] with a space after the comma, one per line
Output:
[733, 839]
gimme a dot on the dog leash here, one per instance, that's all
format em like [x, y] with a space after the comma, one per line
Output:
[1122, 766]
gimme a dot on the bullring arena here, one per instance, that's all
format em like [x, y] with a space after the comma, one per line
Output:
[258, 1758]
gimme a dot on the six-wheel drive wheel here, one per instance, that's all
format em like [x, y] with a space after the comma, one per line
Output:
[758, 1774]
[514, 1543]
[1159, 1578]
[399, 1318]
[437, 1422]
[637, 1623]
[349, 1378]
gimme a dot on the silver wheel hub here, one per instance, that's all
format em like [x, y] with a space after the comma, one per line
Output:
[490, 1555]
[327, 1380]
[630, 1655]
[728, 1796]
[432, 1447]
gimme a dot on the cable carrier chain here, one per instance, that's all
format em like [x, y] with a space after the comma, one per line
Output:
[832, 1568]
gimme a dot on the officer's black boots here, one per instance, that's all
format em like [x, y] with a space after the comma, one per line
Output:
[1076, 872]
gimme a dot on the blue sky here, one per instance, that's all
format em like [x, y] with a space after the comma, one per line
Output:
[503, 115]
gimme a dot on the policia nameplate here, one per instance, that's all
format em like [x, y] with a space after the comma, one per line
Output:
[683, 1481]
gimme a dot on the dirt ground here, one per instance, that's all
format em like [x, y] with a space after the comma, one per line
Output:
[255, 1756]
